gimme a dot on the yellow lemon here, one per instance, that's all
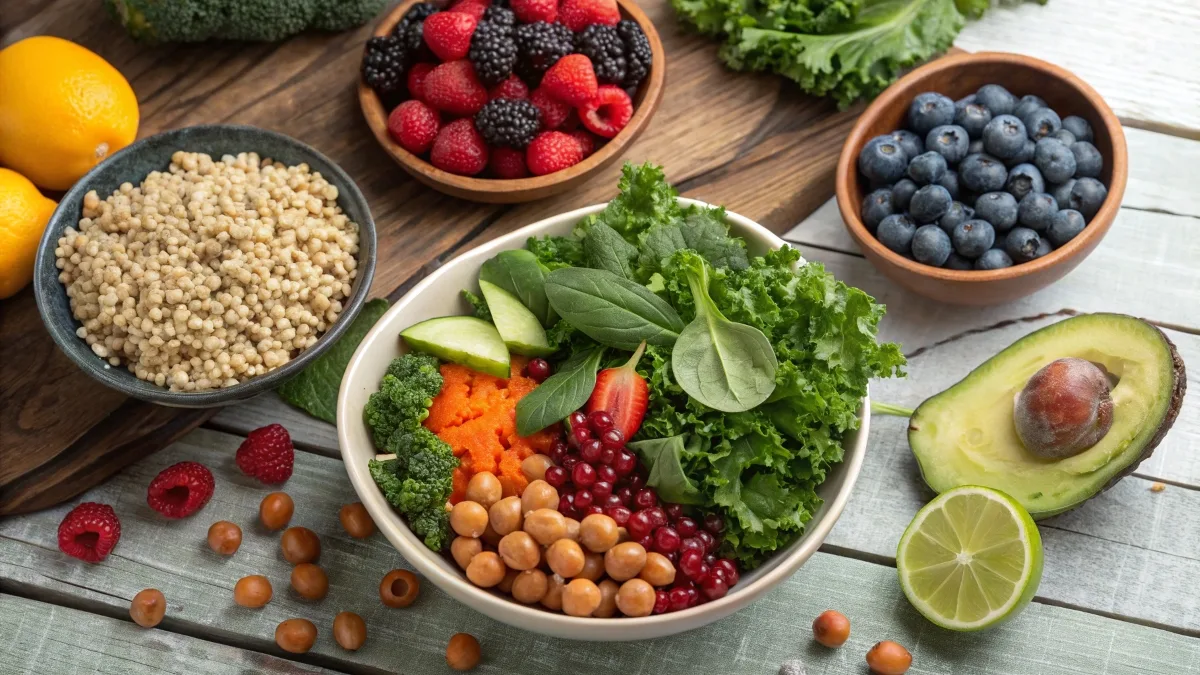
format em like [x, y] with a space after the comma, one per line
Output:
[24, 213]
[63, 109]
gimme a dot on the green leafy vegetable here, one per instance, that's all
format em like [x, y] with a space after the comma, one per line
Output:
[554, 251]
[479, 306]
[521, 273]
[561, 394]
[702, 230]
[315, 389]
[662, 458]
[645, 199]
[610, 309]
[605, 249]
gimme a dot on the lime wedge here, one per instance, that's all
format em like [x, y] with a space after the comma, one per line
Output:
[970, 559]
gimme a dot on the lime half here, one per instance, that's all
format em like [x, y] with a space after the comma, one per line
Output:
[970, 559]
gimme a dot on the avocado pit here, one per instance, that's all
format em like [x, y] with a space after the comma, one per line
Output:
[1064, 409]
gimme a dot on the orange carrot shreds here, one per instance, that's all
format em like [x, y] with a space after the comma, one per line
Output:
[459, 479]
[512, 479]
[451, 407]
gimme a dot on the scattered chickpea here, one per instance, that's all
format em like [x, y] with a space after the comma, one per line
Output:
[224, 537]
[636, 598]
[658, 570]
[486, 569]
[534, 466]
[565, 557]
[253, 591]
[625, 561]
[831, 628]
[469, 519]
[148, 607]
[888, 658]
[598, 532]
[581, 597]
[593, 566]
[1157, 487]
[545, 525]
[519, 551]
[276, 510]
[505, 516]
[310, 581]
[349, 630]
[530, 586]
[554, 591]
[539, 495]
[399, 588]
[296, 635]
[356, 521]
[608, 599]
[462, 549]
[484, 488]
[300, 545]
[462, 652]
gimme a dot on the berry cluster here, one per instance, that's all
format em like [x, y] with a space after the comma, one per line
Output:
[503, 91]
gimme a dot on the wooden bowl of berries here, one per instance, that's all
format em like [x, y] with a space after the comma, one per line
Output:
[510, 102]
[981, 178]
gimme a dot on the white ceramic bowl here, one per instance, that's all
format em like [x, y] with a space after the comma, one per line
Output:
[439, 295]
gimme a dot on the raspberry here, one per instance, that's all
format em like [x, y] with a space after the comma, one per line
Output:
[637, 53]
[531, 11]
[508, 163]
[572, 80]
[554, 113]
[552, 151]
[512, 88]
[475, 8]
[181, 489]
[606, 49]
[448, 34]
[453, 88]
[493, 52]
[459, 149]
[508, 123]
[539, 46]
[89, 532]
[414, 125]
[579, 14]
[608, 113]
[587, 141]
[416, 79]
[267, 454]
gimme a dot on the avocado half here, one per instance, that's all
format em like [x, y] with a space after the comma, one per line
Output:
[965, 435]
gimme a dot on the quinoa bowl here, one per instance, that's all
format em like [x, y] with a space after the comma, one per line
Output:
[184, 243]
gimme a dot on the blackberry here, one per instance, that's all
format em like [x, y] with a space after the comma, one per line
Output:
[493, 52]
[501, 16]
[539, 46]
[417, 14]
[508, 122]
[637, 53]
[384, 64]
[604, 46]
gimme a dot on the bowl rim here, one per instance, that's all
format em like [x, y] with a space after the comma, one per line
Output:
[902, 89]
[651, 90]
[45, 285]
[530, 617]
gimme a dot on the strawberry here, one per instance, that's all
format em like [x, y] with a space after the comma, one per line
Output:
[579, 14]
[453, 88]
[554, 113]
[622, 393]
[508, 163]
[531, 11]
[414, 125]
[89, 532]
[587, 142]
[416, 79]
[475, 8]
[181, 489]
[552, 151]
[512, 88]
[572, 80]
[267, 454]
[459, 149]
[608, 113]
[448, 34]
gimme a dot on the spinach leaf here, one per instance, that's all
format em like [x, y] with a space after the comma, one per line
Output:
[612, 310]
[519, 272]
[605, 249]
[725, 365]
[705, 231]
[561, 394]
[657, 244]
[662, 457]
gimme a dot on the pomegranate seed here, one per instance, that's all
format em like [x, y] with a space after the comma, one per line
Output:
[625, 494]
[579, 436]
[690, 562]
[583, 499]
[594, 509]
[666, 539]
[661, 601]
[607, 455]
[678, 599]
[728, 569]
[590, 450]
[701, 573]
[657, 517]
[583, 474]
[647, 542]
[710, 560]
[707, 539]
[673, 556]
[606, 473]
[558, 446]
[538, 370]
[640, 524]
[682, 582]
[556, 476]
[714, 523]
[646, 498]
[619, 514]
[566, 505]
[624, 462]
[600, 421]
[637, 481]
[691, 544]
[577, 419]
[674, 511]
[613, 438]
[693, 597]
[714, 586]
[603, 488]
[607, 501]
[686, 526]
[569, 462]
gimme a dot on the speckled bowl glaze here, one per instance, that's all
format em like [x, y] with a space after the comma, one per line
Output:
[133, 164]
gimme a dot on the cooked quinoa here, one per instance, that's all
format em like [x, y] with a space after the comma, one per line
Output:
[211, 272]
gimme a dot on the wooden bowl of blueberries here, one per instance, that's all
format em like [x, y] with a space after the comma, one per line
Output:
[980, 178]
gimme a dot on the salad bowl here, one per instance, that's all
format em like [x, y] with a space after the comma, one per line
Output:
[440, 294]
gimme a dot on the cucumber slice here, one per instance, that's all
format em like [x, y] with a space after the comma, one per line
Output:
[518, 326]
[464, 340]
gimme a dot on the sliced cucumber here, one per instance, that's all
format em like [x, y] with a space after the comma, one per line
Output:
[518, 326]
[464, 340]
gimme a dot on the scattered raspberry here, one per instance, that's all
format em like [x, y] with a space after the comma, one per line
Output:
[554, 113]
[508, 163]
[89, 532]
[572, 80]
[453, 88]
[552, 151]
[448, 34]
[587, 141]
[414, 125]
[181, 489]
[532, 11]
[459, 149]
[579, 14]
[416, 79]
[267, 454]
[608, 113]
[475, 8]
[512, 88]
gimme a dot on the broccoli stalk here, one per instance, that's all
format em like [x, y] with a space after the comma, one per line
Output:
[252, 20]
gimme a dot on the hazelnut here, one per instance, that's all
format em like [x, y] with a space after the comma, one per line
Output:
[300, 545]
[349, 630]
[310, 581]
[224, 537]
[148, 607]
[253, 591]
[356, 521]
[462, 652]
[399, 588]
[296, 635]
[276, 510]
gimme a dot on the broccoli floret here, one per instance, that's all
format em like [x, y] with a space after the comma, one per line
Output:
[384, 475]
[406, 443]
[428, 482]
[254, 20]
[404, 397]
[434, 526]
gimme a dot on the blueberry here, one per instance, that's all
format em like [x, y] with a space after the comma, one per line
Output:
[976, 147]
[930, 245]
[993, 259]
[972, 117]
[875, 207]
[1044, 248]
[902, 193]
[949, 180]
[1086, 196]
[956, 262]
[1054, 159]
[1062, 193]
[997, 99]
[957, 213]
[950, 141]
[999, 209]
[1088, 162]
[1078, 126]
[1004, 136]
[926, 168]
[1028, 104]
[1041, 123]
[1036, 211]
[963, 102]
[1025, 155]
[882, 160]
[1022, 244]
[982, 173]
[929, 110]
[896, 232]
[1023, 179]
[909, 142]
[1066, 225]
[929, 203]
[973, 238]
[1064, 136]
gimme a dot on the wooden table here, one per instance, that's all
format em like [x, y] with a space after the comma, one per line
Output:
[1121, 587]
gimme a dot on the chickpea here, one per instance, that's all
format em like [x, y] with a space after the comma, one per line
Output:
[356, 521]
[469, 519]
[888, 658]
[490, 536]
[519, 551]
[831, 628]
[486, 569]
[623, 535]
[534, 466]
[598, 532]
[253, 591]
[505, 516]
[462, 652]
[148, 607]
[636, 598]
[349, 630]
[593, 566]
[608, 599]
[581, 597]
[399, 588]
[484, 488]
[296, 635]
[276, 510]
[625, 561]
[565, 558]
[572, 532]
[506, 584]
[462, 549]
[530, 586]
[554, 590]
[224, 537]
[539, 495]
[658, 570]
[300, 545]
[545, 525]
[310, 581]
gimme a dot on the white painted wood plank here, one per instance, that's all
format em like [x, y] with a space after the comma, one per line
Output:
[1140, 56]
[267, 408]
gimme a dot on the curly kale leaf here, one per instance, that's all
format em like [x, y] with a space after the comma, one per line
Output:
[554, 251]
[701, 229]
[645, 199]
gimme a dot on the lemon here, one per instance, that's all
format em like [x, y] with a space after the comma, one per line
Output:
[970, 559]
[24, 213]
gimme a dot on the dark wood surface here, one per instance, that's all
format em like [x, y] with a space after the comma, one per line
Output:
[749, 141]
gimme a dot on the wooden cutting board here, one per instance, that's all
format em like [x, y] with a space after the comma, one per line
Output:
[752, 142]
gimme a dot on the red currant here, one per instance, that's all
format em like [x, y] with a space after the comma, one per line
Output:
[637, 481]
[657, 517]
[662, 600]
[640, 525]
[566, 505]
[691, 544]
[558, 449]
[583, 475]
[603, 488]
[647, 542]
[707, 539]
[625, 494]
[606, 473]
[590, 450]
[678, 599]
[686, 526]
[600, 421]
[607, 455]
[594, 510]
[579, 436]
[645, 498]
[714, 586]
[624, 462]
[583, 499]
[538, 370]
[620, 514]
[674, 511]
[569, 462]
[690, 563]
[608, 500]
[556, 476]
[728, 569]
[666, 539]
[710, 560]
[693, 596]
[714, 523]
[613, 438]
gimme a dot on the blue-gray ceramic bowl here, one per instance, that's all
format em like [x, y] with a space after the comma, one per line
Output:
[132, 165]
